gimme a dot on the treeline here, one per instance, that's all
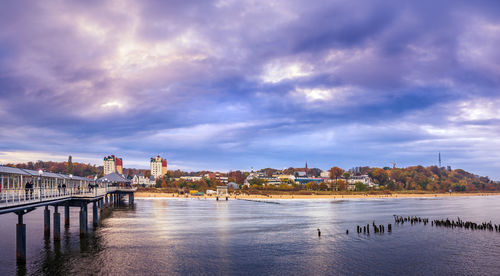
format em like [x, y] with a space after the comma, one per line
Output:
[430, 178]
[422, 178]
[78, 169]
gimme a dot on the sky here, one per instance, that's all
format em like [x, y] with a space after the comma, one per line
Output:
[227, 85]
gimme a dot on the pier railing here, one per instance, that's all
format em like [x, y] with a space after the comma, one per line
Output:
[16, 197]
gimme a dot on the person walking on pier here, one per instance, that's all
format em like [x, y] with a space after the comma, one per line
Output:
[31, 189]
[26, 189]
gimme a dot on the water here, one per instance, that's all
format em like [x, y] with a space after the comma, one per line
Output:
[206, 237]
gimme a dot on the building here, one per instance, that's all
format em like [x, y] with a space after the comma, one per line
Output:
[351, 182]
[119, 165]
[325, 174]
[275, 180]
[191, 178]
[113, 164]
[232, 185]
[305, 180]
[140, 179]
[365, 179]
[287, 178]
[158, 167]
[217, 176]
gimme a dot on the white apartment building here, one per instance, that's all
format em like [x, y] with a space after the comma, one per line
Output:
[113, 164]
[158, 167]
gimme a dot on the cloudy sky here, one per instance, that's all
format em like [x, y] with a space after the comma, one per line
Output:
[237, 84]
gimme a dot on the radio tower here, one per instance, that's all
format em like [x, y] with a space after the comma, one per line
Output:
[439, 156]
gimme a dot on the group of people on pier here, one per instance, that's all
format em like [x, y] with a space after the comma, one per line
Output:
[28, 188]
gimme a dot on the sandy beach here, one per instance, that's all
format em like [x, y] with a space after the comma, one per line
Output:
[339, 196]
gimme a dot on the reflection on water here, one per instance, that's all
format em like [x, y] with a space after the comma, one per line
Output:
[186, 236]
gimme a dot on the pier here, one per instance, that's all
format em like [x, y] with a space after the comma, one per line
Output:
[22, 191]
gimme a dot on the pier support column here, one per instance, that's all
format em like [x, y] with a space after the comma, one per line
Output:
[106, 200]
[57, 224]
[95, 215]
[86, 217]
[66, 215]
[83, 220]
[131, 199]
[20, 239]
[46, 221]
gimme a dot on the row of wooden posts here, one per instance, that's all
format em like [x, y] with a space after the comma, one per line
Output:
[365, 229]
[400, 220]
[459, 223]
[411, 219]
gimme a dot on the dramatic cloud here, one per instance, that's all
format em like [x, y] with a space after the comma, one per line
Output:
[239, 84]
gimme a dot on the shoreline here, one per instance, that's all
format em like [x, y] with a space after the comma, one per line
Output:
[356, 196]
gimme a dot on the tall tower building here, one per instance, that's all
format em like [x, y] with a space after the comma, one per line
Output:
[158, 166]
[113, 164]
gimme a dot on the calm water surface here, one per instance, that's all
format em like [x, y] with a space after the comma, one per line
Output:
[208, 237]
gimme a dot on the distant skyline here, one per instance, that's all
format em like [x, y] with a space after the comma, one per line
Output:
[227, 85]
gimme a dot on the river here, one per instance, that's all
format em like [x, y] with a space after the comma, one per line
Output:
[208, 237]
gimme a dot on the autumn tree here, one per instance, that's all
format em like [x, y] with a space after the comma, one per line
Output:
[335, 172]
[323, 186]
[341, 185]
[360, 186]
[312, 185]
[380, 176]
[237, 177]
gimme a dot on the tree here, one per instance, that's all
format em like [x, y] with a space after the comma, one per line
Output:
[312, 185]
[380, 176]
[346, 176]
[341, 185]
[130, 172]
[323, 186]
[360, 186]
[335, 172]
[70, 167]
